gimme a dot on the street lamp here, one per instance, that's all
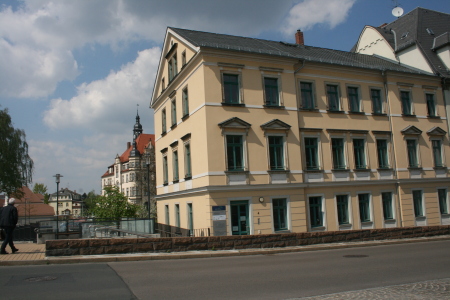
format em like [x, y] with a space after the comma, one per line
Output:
[58, 176]
[148, 162]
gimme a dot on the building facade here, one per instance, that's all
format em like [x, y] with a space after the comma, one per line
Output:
[67, 202]
[256, 136]
[130, 171]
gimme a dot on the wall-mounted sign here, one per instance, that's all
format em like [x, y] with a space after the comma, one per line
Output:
[219, 217]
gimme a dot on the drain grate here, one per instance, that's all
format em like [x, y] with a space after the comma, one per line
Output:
[41, 278]
[356, 256]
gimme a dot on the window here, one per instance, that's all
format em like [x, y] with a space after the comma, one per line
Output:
[342, 209]
[315, 211]
[437, 153]
[333, 97]
[377, 105]
[418, 207]
[163, 120]
[364, 207]
[307, 95]
[175, 165]
[235, 153]
[443, 205]
[185, 103]
[276, 152]
[337, 145]
[412, 153]
[271, 91]
[174, 112]
[173, 68]
[382, 153]
[190, 217]
[279, 214]
[177, 215]
[388, 212]
[165, 170]
[231, 88]
[406, 103]
[431, 105]
[360, 153]
[167, 215]
[353, 99]
[187, 161]
[312, 154]
[163, 83]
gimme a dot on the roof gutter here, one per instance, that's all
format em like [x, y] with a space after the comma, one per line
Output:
[301, 67]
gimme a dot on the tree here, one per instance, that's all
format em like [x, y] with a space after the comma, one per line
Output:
[89, 201]
[16, 166]
[113, 205]
[40, 188]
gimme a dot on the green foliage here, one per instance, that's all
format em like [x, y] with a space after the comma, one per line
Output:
[16, 166]
[113, 205]
[40, 188]
[89, 201]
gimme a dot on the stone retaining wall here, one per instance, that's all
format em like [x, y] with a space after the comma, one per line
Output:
[142, 245]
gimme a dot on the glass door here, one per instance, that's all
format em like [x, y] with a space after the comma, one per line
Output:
[239, 218]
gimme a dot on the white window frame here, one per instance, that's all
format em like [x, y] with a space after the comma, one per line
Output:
[370, 207]
[423, 204]
[393, 203]
[339, 92]
[285, 150]
[419, 162]
[448, 199]
[323, 210]
[288, 212]
[442, 151]
[366, 153]
[358, 87]
[232, 72]
[382, 98]
[388, 146]
[280, 94]
[435, 103]
[345, 150]
[409, 90]
[313, 88]
[244, 145]
[348, 226]
[250, 214]
[319, 149]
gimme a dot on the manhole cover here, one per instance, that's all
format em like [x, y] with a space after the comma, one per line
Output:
[356, 255]
[41, 278]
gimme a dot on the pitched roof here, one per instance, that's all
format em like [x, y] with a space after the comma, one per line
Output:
[142, 142]
[32, 204]
[287, 50]
[422, 27]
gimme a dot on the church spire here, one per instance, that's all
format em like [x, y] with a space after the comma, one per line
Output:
[137, 130]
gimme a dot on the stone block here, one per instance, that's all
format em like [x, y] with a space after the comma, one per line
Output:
[199, 239]
[198, 246]
[182, 241]
[98, 242]
[149, 240]
[118, 249]
[77, 243]
[214, 239]
[141, 247]
[158, 246]
[124, 241]
[56, 244]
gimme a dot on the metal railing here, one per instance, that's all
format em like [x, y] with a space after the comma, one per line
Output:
[172, 231]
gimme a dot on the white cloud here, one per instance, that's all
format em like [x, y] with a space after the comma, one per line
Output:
[100, 105]
[308, 13]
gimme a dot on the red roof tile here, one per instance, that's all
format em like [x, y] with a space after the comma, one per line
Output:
[32, 204]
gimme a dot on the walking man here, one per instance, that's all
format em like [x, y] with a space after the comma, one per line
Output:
[8, 221]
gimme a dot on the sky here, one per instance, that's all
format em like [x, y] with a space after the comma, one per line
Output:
[72, 73]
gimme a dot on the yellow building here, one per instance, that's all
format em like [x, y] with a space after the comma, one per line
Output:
[256, 136]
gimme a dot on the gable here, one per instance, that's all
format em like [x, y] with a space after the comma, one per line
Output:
[371, 42]
[436, 131]
[411, 130]
[275, 124]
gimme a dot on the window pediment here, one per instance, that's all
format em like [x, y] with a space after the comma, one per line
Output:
[276, 124]
[411, 130]
[234, 123]
[436, 131]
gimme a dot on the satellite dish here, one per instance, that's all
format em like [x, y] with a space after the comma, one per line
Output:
[397, 11]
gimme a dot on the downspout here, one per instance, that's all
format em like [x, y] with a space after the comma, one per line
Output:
[394, 159]
[395, 45]
[446, 92]
[298, 111]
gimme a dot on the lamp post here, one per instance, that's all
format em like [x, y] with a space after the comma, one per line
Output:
[148, 162]
[58, 176]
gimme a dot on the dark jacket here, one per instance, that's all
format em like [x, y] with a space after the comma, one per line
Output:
[9, 216]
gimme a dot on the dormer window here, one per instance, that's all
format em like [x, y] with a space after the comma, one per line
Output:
[173, 67]
[430, 31]
[404, 35]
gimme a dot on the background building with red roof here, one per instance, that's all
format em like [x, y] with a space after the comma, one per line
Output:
[131, 170]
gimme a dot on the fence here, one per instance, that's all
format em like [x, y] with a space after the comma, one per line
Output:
[165, 230]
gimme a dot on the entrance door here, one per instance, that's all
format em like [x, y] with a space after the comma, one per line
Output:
[239, 218]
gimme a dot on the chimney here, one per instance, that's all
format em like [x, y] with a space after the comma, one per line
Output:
[299, 38]
[128, 145]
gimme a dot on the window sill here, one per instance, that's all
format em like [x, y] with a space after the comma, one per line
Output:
[274, 106]
[366, 222]
[340, 170]
[185, 117]
[433, 117]
[309, 109]
[379, 114]
[384, 169]
[187, 178]
[361, 170]
[409, 116]
[236, 172]
[356, 113]
[390, 221]
[278, 171]
[318, 228]
[313, 171]
[165, 184]
[421, 218]
[440, 168]
[282, 231]
[345, 225]
[415, 168]
[173, 126]
[233, 104]
[175, 181]
[445, 215]
[163, 133]
[336, 111]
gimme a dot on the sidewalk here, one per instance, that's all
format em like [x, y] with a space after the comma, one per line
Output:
[34, 254]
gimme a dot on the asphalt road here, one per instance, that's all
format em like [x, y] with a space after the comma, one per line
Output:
[281, 276]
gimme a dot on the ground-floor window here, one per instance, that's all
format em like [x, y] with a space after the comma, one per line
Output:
[364, 207]
[386, 198]
[342, 209]
[279, 207]
[443, 203]
[240, 224]
[418, 206]
[315, 211]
